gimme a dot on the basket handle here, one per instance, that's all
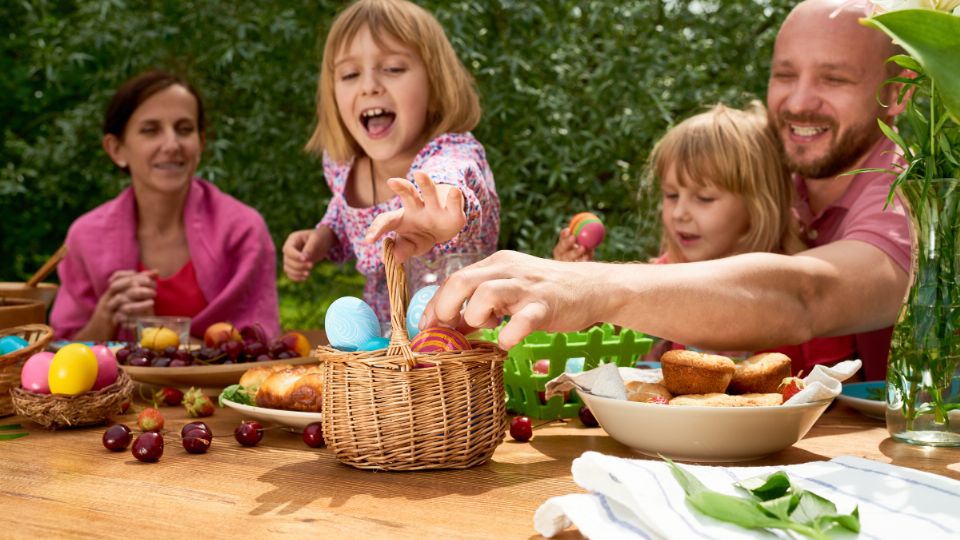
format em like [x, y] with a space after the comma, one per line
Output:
[397, 289]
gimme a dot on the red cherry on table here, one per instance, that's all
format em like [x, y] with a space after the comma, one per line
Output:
[586, 416]
[148, 447]
[197, 440]
[521, 429]
[313, 435]
[117, 438]
[195, 425]
[248, 433]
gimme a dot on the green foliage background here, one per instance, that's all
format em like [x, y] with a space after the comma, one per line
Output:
[574, 93]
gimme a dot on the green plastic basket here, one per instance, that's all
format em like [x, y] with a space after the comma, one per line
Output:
[597, 345]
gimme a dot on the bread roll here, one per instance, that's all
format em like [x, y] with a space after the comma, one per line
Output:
[726, 400]
[295, 389]
[691, 372]
[644, 391]
[761, 373]
[254, 377]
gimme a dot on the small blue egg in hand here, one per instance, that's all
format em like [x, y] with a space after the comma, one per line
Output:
[374, 344]
[415, 310]
[350, 322]
[8, 344]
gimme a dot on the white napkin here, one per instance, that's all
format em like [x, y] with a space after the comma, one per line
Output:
[641, 499]
[607, 381]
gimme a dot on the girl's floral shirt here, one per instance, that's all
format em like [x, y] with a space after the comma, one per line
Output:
[455, 159]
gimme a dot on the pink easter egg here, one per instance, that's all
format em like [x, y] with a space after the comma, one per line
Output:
[591, 234]
[33, 374]
[439, 339]
[106, 366]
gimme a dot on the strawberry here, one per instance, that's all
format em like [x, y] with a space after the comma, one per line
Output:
[150, 419]
[790, 386]
[167, 396]
[196, 403]
[658, 400]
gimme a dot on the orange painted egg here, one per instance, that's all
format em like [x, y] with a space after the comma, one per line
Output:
[439, 339]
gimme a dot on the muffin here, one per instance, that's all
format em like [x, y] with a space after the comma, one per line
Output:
[761, 373]
[691, 372]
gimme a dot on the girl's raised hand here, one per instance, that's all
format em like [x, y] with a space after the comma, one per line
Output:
[568, 250]
[129, 294]
[433, 216]
[303, 249]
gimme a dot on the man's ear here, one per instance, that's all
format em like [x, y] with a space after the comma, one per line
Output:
[111, 144]
[891, 93]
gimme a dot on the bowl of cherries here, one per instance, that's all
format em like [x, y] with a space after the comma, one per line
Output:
[160, 358]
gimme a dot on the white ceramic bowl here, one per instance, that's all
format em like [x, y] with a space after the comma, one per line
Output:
[714, 434]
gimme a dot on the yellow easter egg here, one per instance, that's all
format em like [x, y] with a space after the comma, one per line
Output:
[73, 370]
[159, 338]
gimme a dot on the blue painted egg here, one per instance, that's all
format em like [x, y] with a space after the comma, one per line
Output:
[350, 322]
[574, 365]
[8, 344]
[374, 344]
[415, 310]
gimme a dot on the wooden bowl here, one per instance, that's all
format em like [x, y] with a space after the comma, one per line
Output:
[44, 292]
[21, 311]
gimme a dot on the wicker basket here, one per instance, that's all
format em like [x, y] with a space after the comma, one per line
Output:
[38, 336]
[381, 412]
[55, 411]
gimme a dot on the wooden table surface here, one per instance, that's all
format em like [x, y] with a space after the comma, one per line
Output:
[65, 484]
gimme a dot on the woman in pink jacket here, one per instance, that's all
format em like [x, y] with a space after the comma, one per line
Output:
[171, 243]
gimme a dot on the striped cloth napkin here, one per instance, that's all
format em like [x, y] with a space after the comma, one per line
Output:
[640, 499]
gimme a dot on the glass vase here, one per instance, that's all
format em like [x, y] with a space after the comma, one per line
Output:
[923, 384]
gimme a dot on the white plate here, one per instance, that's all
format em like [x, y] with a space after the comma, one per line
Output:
[295, 420]
[856, 396]
[210, 376]
[714, 434]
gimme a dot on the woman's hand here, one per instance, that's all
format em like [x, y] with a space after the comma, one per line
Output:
[130, 294]
[567, 248]
[433, 216]
[303, 249]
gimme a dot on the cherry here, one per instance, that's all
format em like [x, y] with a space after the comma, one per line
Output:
[313, 435]
[248, 433]
[196, 425]
[177, 362]
[148, 447]
[122, 355]
[117, 438]
[170, 351]
[197, 440]
[232, 349]
[160, 361]
[586, 416]
[138, 361]
[521, 429]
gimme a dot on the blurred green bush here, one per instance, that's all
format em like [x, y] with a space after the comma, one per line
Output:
[574, 95]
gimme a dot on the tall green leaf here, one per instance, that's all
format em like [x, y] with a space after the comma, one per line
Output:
[933, 39]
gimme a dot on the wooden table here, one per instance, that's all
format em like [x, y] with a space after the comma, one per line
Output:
[65, 484]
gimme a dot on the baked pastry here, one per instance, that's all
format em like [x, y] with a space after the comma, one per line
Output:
[691, 372]
[254, 377]
[760, 373]
[645, 391]
[726, 400]
[295, 389]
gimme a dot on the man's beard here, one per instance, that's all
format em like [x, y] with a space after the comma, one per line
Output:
[845, 150]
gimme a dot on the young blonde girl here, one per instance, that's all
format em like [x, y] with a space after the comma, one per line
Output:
[394, 110]
[726, 190]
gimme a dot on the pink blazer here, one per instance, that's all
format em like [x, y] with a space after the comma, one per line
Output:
[230, 246]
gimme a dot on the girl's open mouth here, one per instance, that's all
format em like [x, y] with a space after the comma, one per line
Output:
[687, 238]
[377, 122]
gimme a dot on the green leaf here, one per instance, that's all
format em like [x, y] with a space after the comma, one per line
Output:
[10, 426]
[237, 394]
[932, 38]
[767, 488]
[733, 509]
[781, 506]
[11, 436]
[895, 137]
[812, 507]
[690, 484]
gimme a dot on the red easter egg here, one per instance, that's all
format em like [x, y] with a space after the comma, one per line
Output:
[587, 229]
[439, 339]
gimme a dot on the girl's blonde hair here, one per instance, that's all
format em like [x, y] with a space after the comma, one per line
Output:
[736, 151]
[452, 106]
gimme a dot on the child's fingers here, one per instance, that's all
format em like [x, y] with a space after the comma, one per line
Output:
[455, 200]
[311, 249]
[428, 190]
[407, 193]
[385, 222]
